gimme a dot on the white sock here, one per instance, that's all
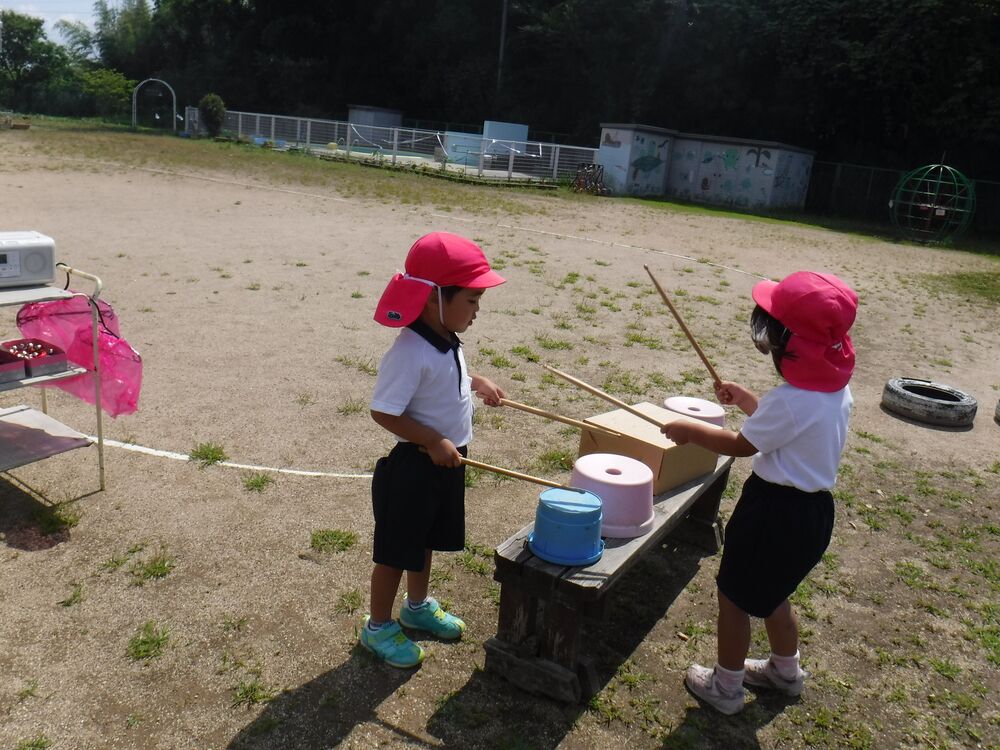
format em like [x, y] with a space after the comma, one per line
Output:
[416, 605]
[730, 680]
[374, 626]
[787, 666]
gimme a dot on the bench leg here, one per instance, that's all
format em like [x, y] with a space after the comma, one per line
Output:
[538, 662]
[702, 526]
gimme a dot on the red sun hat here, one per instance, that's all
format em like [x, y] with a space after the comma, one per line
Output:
[437, 259]
[819, 309]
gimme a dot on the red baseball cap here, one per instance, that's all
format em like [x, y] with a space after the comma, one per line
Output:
[819, 309]
[437, 259]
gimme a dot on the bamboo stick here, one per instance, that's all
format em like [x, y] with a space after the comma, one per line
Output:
[518, 475]
[559, 418]
[601, 394]
[680, 321]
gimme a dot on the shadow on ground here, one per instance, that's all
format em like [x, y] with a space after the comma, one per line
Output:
[489, 712]
[27, 521]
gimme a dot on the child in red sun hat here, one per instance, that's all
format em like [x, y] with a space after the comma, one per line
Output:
[783, 521]
[423, 396]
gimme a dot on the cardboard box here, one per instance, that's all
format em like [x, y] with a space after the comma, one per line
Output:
[11, 367]
[671, 464]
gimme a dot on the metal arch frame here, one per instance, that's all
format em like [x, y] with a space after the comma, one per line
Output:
[135, 92]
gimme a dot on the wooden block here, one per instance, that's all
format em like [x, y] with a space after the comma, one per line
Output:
[537, 676]
[672, 464]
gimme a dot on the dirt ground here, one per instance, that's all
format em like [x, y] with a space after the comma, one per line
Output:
[251, 300]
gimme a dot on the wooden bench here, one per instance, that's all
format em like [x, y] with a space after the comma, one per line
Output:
[542, 605]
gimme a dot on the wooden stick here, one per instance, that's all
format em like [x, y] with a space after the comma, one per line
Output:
[680, 321]
[559, 418]
[607, 397]
[518, 475]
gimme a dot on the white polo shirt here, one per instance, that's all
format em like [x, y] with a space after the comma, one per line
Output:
[800, 435]
[424, 377]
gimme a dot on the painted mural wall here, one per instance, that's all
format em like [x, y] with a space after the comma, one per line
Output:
[647, 172]
[728, 174]
[791, 180]
[613, 155]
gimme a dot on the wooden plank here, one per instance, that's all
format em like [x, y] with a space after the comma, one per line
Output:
[537, 676]
[619, 555]
[518, 617]
[560, 635]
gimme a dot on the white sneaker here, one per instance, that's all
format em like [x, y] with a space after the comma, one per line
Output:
[762, 673]
[702, 684]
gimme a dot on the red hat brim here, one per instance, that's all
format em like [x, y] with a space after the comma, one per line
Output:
[402, 302]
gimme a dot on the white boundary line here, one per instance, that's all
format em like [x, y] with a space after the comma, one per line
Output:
[183, 457]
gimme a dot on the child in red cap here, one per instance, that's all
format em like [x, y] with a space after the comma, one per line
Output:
[783, 521]
[423, 396]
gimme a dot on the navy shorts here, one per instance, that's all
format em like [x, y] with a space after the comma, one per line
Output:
[418, 506]
[775, 536]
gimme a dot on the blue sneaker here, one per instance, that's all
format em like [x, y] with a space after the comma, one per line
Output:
[433, 619]
[391, 646]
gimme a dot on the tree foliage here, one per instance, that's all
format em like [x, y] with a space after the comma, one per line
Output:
[894, 82]
[213, 113]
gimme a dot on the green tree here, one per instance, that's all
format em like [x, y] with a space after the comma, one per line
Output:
[213, 113]
[124, 37]
[110, 91]
[28, 60]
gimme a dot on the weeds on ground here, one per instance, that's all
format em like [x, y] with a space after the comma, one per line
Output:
[38, 742]
[56, 519]
[158, 566]
[207, 454]
[332, 540]
[257, 481]
[251, 692]
[75, 597]
[148, 642]
[366, 365]
[350, 602]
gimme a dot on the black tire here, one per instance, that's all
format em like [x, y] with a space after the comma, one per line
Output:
[931, 403]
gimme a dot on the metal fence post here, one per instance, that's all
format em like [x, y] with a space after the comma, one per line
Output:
[395, 144]
[273, 118]
[308, 134]
[348, 140]
[555, 163]
[510, 163]
[239, 124]
[482, 155]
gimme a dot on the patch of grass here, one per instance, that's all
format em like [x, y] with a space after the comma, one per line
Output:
[367, 366]
[983, 286]
[623, 383]
[251, 693]
[253, 286]
[148, 642]
[549, 343]
[158, 566]
[56, 519]
[650, 342]
[571, 278]
[356, 295]
[28, 691]
[207, 454]
[349, 602]
[557, 458]
[38, 742]
[352, 406]
[945, 668]
[332, 540]
[234, 624]
[525, 353]
[257, 481]
[476, 559]
[501, 361]
[75, 597]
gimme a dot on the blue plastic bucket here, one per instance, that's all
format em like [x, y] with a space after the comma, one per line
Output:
[567, 528]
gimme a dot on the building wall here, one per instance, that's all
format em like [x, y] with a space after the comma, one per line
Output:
[613, 154]
[648, 161]
[791, 180]
[729, 174]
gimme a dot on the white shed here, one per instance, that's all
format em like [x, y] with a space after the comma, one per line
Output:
[738, 172]
[635, 158]
[645, 160]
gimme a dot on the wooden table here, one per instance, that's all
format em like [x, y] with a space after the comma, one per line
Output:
[542, 605]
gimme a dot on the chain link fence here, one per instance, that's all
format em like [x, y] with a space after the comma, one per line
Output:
[861, 192]
[465, 153]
